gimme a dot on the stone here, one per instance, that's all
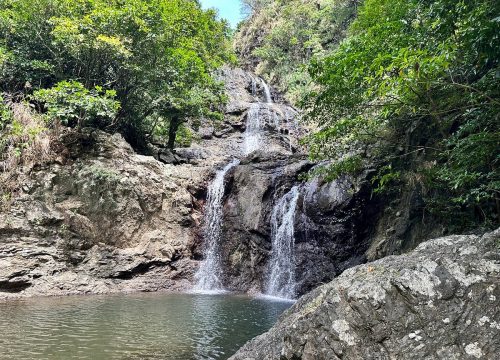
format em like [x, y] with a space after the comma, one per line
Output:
[332, 222]
[97, 223]
[433, 303]
[206, 132]
[167, 157]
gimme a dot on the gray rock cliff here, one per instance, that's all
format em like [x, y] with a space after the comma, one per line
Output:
[333, 222]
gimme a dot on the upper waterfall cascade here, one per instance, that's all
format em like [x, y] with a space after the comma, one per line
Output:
[253, 133]
[254, 137]
[267, 92]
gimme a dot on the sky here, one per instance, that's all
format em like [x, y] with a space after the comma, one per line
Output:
[228, 9]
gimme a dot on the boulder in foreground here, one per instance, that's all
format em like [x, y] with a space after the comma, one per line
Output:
[441, 301]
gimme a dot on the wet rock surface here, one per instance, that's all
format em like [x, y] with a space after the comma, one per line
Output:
[333, 222]
[441, 301]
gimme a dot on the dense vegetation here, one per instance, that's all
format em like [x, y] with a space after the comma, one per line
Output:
[141, 67]
[281, 37]
[412, 92]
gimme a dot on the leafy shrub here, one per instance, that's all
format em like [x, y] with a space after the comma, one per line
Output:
[71, 104]
[24, 138]
[184, 136]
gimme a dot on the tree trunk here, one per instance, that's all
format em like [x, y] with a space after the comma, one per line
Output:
[175, 121]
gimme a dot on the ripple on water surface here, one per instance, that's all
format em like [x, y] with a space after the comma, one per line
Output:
[142, 326]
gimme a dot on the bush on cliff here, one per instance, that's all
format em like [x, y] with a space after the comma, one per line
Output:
[280, 37]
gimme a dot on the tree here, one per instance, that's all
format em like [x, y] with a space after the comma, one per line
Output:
[414, 91]
[159, 56]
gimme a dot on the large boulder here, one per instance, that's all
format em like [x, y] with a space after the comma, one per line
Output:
[441, 301]
[253, 188]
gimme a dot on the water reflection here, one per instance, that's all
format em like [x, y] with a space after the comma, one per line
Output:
[168, 326]
[208, 314]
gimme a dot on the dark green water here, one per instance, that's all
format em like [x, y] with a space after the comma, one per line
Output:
[145, 326]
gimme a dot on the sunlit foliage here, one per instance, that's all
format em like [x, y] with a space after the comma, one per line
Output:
[414, 91]
[157, 56]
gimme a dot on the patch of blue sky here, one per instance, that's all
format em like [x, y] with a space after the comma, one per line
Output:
[228, 9]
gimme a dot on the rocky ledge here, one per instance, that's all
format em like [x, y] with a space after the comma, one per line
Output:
[441, 301]
[100, 219]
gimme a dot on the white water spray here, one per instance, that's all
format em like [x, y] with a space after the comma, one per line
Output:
[254, 87]
[210, 272]
[267, 92]
[281, 281]
[253, 132]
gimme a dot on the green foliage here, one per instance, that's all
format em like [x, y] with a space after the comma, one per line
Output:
[5, 114]
[349, 165]
[282, 36]
[415, 88]
[72, 104]
[159, 56]
[184, 136]
[5, 120]
[385, 179]
[99, 174]
[23, 137]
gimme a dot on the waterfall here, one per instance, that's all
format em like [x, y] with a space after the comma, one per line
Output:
[267, 92]
[253, 136]
[254, 124]
[254, 87]
[262, 114]
[281, 281]
[209, 274]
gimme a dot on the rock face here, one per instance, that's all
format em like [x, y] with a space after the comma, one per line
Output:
[106, 220]
[101, 218]
[256, 184]
[332, 222]
[441, 301]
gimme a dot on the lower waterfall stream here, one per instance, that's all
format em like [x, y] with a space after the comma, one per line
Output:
[281, 282]
[210, 271]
